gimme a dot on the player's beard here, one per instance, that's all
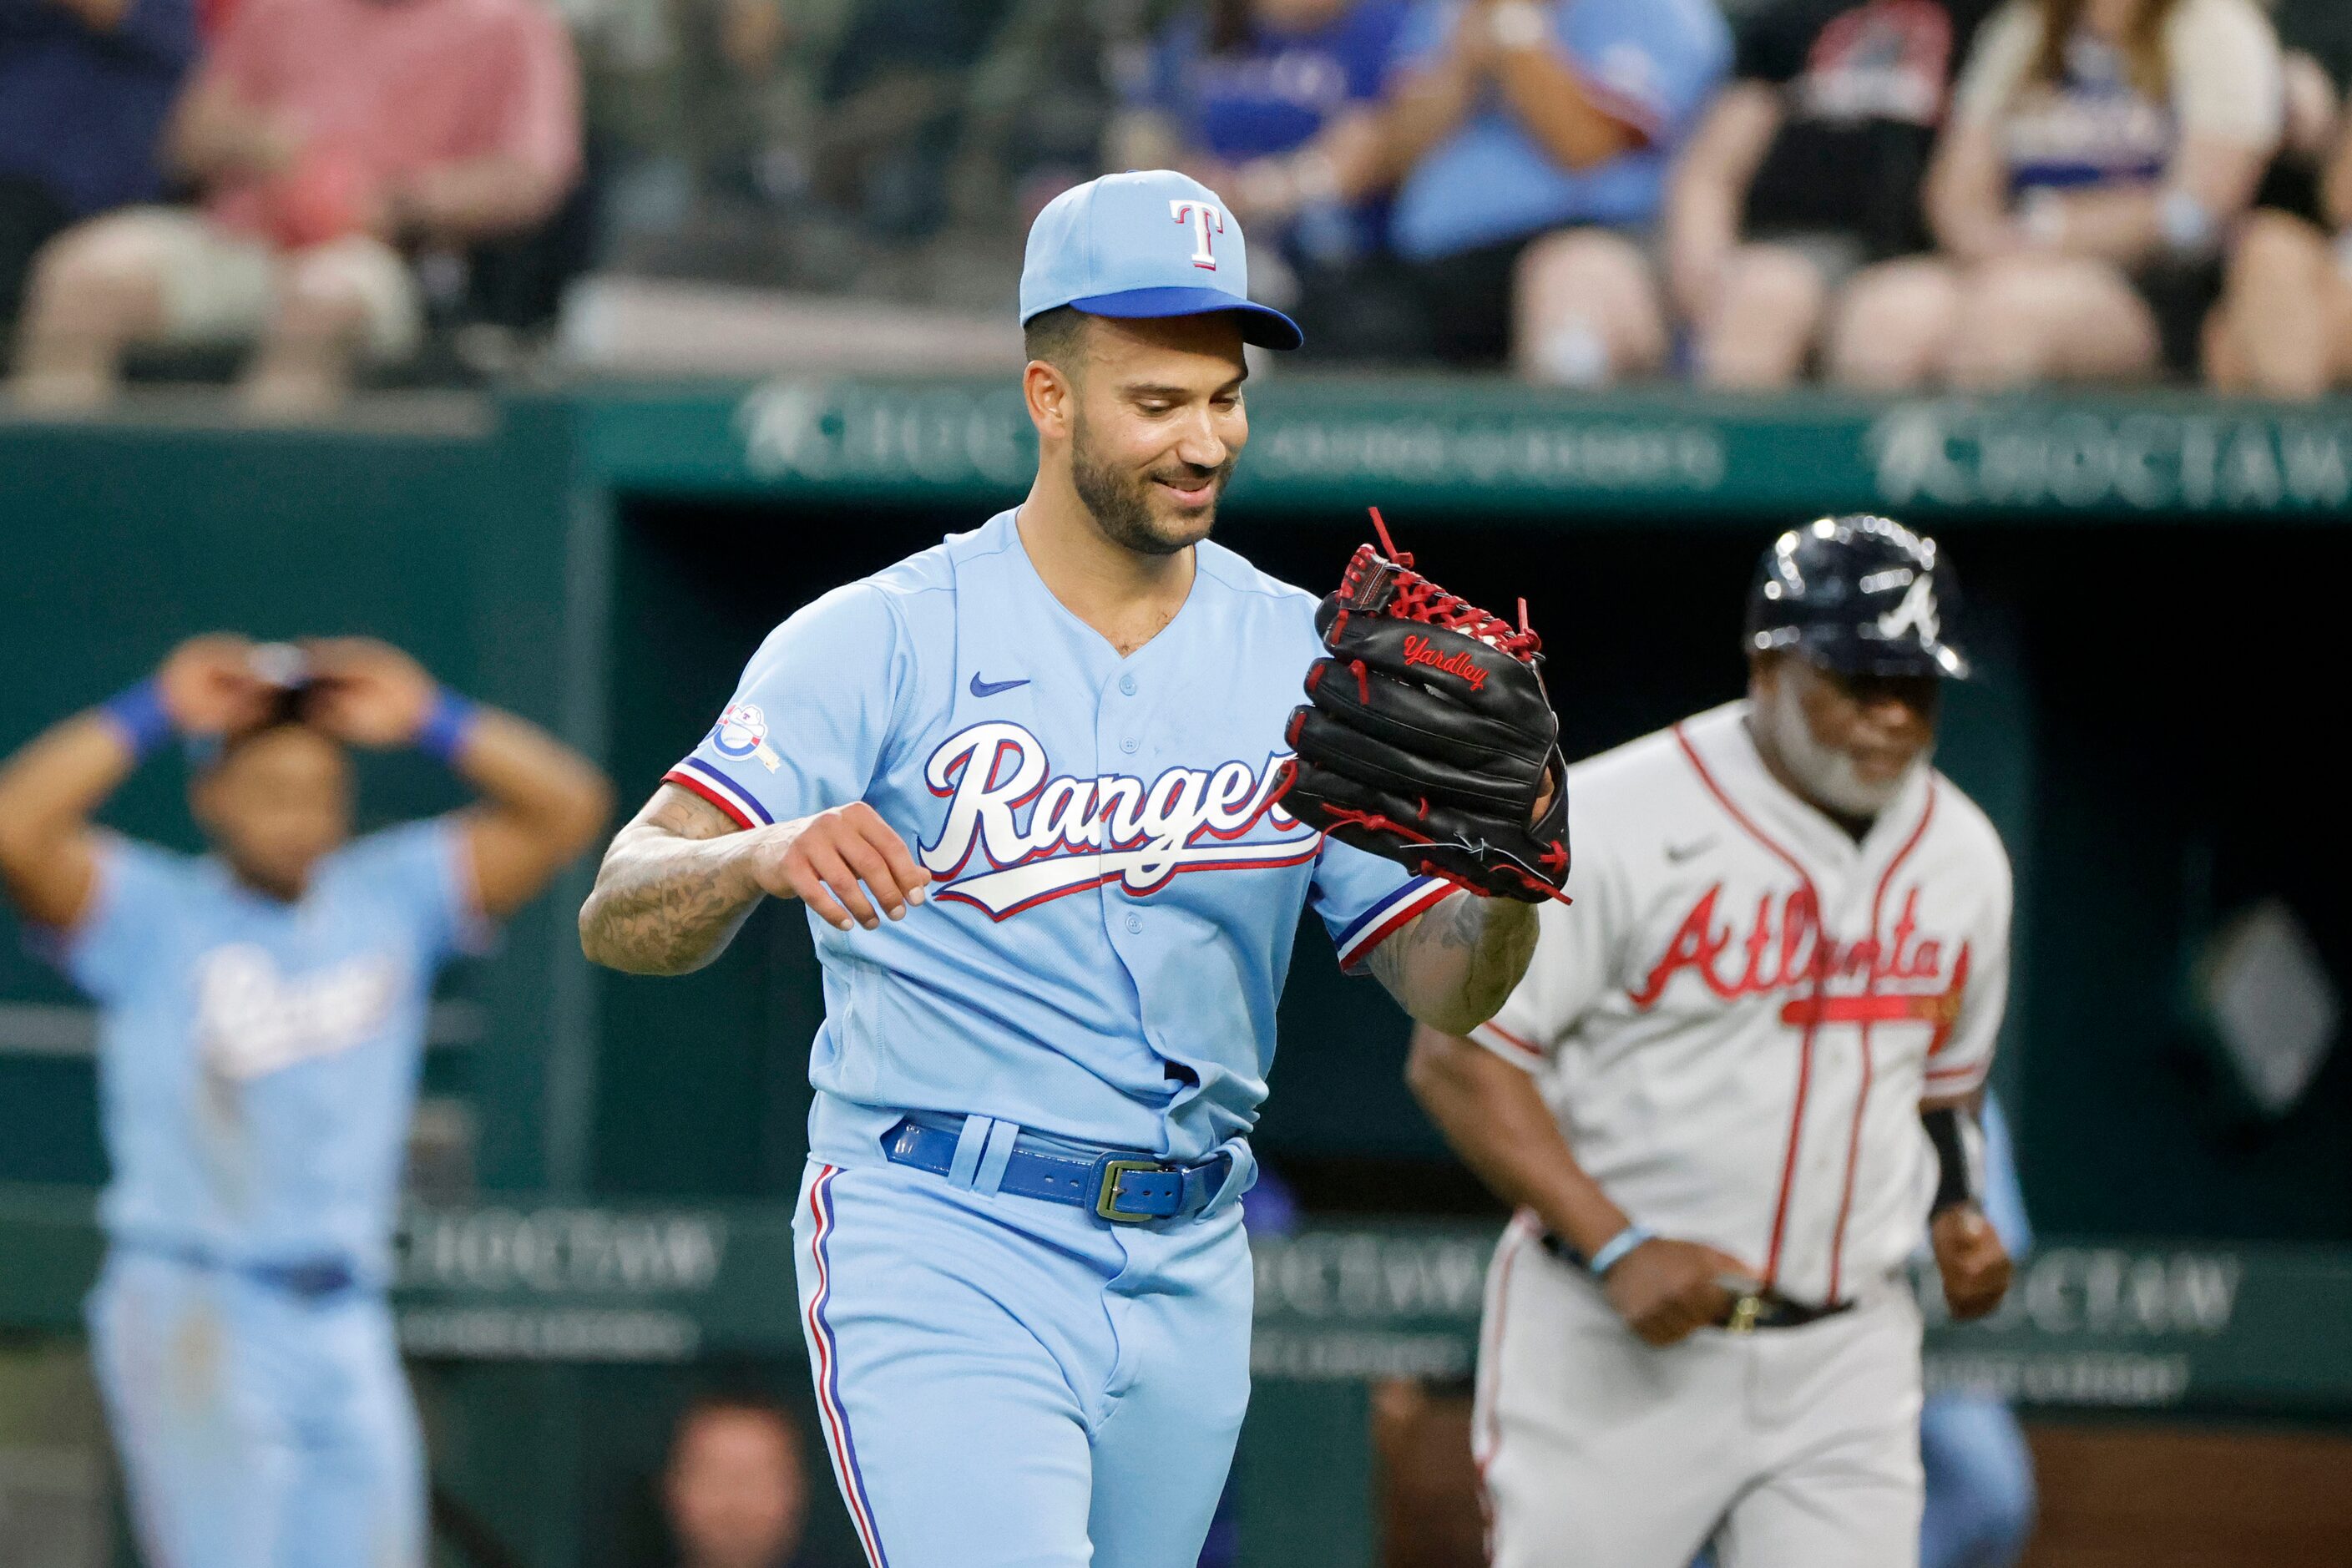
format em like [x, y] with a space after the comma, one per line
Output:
[1121, 505]
[1828, 776]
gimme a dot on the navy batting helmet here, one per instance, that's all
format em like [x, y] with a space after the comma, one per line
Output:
[1864, 595]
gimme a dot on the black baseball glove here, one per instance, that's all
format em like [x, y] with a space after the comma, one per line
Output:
[1427, 737]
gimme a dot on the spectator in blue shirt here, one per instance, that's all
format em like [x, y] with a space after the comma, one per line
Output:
[84, 87]
[1274, 103]
[1535, 139]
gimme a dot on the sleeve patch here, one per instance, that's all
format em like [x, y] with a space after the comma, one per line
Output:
[742, 733]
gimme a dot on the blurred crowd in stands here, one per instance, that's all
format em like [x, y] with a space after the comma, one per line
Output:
[1883, 194]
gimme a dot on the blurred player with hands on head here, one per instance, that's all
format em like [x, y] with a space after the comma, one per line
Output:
[1739, 1075]
[262, 1017]
[1025, 782]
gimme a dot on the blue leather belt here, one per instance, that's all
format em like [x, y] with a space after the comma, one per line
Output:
[311, 1279]
[1118, 1184]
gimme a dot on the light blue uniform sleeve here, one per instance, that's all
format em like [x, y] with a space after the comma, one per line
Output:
[809, 725]
[423, 873]
[1363, 900]
[116, 942]
[2004, 1198]
[1652, 63]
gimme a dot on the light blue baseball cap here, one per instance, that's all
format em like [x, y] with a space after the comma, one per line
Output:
[1149, 242]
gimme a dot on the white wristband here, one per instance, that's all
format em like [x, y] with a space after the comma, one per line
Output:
[1612, 1251]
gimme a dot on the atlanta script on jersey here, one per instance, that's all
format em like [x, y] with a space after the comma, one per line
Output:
[1737, 1020]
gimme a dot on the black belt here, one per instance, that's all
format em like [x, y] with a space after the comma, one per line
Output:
[1762, 1308]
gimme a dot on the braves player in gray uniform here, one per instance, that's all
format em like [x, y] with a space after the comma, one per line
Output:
[1741, 1074]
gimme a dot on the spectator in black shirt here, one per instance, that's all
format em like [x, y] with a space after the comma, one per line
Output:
[84, 87]
[1806, 172]
[2284, 326]
[895, 96]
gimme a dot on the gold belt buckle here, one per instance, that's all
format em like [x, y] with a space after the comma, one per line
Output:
[1743, 1313]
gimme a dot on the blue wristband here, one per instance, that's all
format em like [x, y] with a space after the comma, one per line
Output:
[139, 713]
[1612, 1251]
[446, 725]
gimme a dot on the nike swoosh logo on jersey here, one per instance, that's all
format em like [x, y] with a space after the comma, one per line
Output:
[990, 687]
[1678, 853]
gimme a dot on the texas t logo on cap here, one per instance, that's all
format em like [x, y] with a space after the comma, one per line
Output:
[1206, 221]
[1146, 243]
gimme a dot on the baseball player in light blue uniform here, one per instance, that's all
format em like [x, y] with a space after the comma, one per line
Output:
[1026, 781]
[262, 1016]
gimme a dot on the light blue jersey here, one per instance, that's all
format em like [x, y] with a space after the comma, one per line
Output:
[259, 1060]
[1116, 894]
[1005, 1381]
[257, 1063]
[1652, 63]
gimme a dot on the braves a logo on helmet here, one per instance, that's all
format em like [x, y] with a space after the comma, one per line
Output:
[1041, 837]
[1916, 613]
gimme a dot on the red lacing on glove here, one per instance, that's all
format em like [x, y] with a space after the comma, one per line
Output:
[1377, 822]
[1370, 821]
[1413, 597]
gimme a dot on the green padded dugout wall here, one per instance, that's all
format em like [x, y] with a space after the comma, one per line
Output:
[2153, 584]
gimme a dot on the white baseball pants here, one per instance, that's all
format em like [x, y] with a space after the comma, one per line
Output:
[1786, 1447]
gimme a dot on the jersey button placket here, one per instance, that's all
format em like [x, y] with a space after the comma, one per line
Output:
[1131, 745]
[1108, 721]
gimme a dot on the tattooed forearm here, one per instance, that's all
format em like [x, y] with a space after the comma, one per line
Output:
[1386, 962]
[1500, 947]
[1454, 966]
[672, 892]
